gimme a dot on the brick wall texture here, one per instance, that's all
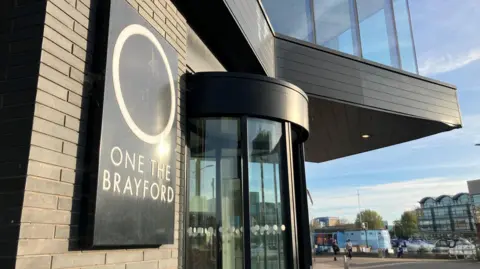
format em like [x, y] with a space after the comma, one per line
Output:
[43, 110]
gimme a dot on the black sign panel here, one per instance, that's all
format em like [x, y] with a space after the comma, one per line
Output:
[135, 197]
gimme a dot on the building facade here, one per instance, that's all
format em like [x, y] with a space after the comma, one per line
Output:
[173, 133]
[326, 221]
[474, 190]
[447, 216]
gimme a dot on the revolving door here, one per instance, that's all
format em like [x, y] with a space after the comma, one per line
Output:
[241, 210]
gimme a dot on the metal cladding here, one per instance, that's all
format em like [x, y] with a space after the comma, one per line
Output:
[235, 94]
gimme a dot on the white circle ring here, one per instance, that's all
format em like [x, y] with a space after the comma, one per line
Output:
[136, 29]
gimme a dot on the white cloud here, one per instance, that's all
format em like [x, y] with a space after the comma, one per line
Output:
[389, 199]
[436, 64]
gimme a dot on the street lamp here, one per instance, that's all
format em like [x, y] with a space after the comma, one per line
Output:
[197, 175]
[365, 228]
[476, 219]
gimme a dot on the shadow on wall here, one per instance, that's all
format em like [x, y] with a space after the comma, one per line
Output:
[83, 202]
[21, 31]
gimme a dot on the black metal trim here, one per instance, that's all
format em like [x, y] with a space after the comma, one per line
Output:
[216, 17]
[208, 75]
[94, 123]
[411, 35]
[303, 235]
[218, 203]
[391, 24]
[211, 94]
[355, 24]
[186, 199]
[291, 205]
[313, 21]
[247, 255]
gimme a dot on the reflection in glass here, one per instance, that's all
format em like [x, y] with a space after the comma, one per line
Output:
[476, 199]
[333, 24]
[214, 172]
[373, 31]
[268, 224]
[404, 34]
[347, 25]
[291, 17]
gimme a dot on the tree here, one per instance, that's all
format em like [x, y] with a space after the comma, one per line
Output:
[344, 221]
[397, 229]
[374, 220]
[407, 226]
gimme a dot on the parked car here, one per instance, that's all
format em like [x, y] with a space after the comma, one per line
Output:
[455, 247]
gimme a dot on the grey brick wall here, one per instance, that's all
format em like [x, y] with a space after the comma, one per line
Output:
[44, 116]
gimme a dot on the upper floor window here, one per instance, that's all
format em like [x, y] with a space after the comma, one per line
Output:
[429, 203]
[446, 201]
[291, 17]
[335, 24]
[374, 32]
[403, 28]
[476, 199]
[463, 199]
[377, 30]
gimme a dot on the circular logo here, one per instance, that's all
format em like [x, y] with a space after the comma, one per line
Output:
[136, 29]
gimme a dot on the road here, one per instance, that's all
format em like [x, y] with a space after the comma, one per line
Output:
[392, 263]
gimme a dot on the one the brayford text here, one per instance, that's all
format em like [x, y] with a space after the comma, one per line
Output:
[137, 185]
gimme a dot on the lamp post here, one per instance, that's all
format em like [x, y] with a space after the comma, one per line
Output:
[477, 248]
[197, 175]
[365, 228]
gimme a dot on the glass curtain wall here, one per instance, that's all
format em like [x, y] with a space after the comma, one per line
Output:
[376, 30]
[215, 223]
[291, 17]
[335, 25]
[406, 46]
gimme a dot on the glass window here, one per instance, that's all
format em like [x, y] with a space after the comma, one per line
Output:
[441, 212]
[373, 31]
[426, 225]
[462, 224]
[291, 17]
[443, 225]
[404, 36]
[464, 199]
[429, 203]
[427, 213]
[215, 198]
[446, 201]
[267, 221]
[334, 25]
[460, 210]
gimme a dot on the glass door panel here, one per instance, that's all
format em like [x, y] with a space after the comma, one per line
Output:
[232, 213]
[267, 223]
[214, 218]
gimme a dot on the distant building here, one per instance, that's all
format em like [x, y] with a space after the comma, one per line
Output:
[323, 238]
[474, 191]
[447, 216]
[326, 221]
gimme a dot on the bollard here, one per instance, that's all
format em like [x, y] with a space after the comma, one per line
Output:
[345, 262]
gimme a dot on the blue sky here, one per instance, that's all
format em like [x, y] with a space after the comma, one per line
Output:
[393, 179]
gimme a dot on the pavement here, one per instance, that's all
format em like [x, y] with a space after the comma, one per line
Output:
[394, 263]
